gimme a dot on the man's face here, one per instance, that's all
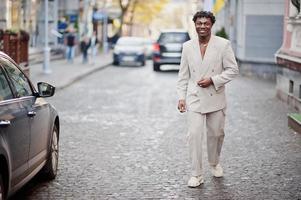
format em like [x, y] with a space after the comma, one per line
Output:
[203, 26]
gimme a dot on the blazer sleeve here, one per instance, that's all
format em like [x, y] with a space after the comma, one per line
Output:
[230, 68]
[184, 75]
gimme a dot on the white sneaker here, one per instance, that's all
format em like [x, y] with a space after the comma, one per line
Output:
[195, 181]
[217, 171]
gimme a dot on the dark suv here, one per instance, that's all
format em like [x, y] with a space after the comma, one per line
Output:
[168, 48]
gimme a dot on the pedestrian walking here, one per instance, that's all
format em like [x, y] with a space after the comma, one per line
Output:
[207, 64]
[94, 46]
[70, 42]
[84, 46]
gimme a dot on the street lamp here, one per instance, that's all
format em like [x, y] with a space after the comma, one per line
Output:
[103, 16]
[86, 8]
[46, 68]
[105, 32]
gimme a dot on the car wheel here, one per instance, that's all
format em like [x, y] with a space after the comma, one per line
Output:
[143, 63]
[51, 167]
[115, 62]
[1, 188]
[156, 67]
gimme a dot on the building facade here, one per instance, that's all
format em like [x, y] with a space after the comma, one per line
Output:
[29, 15]
[255, 30]
[289, 56]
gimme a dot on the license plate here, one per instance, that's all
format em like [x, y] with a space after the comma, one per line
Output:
[128, 58]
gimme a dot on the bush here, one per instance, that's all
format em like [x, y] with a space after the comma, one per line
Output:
[11, 31]
[222, 33]
[24, 36]
[1, 34]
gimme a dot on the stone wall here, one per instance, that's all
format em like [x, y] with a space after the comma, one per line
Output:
[289, 58]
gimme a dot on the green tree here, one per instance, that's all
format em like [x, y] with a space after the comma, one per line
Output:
[222, 33]
[125, 6]
[139, 11]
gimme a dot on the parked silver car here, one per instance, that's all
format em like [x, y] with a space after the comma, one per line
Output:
[129, 50]
[29, 129]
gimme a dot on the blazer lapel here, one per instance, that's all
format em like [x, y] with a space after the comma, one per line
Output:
[206, 64]
[197, 58]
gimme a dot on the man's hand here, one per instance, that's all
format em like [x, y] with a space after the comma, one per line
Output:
[182, 105]
[205, 82]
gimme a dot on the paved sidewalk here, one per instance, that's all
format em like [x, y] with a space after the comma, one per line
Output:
[64, 73]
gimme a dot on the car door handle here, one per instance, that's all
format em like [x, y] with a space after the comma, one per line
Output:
[4, 122]
[31, 113]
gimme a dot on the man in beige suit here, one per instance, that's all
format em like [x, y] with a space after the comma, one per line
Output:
[207, 64]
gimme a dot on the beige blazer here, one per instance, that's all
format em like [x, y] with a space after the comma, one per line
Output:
[219, 63]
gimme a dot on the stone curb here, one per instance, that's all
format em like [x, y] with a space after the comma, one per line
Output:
[293, 123]
[81, 76]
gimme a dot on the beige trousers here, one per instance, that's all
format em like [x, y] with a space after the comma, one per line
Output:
[211, 123]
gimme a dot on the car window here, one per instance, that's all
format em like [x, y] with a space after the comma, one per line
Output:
[5, 91]
[130, 42]
[173, 37]
[18, 79]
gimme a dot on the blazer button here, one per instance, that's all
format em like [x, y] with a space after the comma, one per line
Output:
[210, 94]
[213, 70]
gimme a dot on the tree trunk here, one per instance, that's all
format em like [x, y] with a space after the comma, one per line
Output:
[131, 22]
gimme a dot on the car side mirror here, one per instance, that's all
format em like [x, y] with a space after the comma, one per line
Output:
[45, 89]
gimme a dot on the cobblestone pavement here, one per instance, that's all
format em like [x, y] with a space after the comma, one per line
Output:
[122, 138]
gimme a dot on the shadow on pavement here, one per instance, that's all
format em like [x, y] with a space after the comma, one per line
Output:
[37, 182]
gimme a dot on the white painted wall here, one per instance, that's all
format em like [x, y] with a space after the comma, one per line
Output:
[239, 10]
[69, 4]
[264, 7]
[3, 15]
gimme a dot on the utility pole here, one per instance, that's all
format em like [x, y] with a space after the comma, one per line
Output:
[46, 68]
[86, 11]
[105, 32]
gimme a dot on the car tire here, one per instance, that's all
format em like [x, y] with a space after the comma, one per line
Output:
[51, 167]
[2, 191]
[156, 67]
[143, 63]
[115, 62]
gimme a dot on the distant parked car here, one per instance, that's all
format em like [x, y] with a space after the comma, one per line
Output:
[168, 48]
[129, 50]
[29, 129]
